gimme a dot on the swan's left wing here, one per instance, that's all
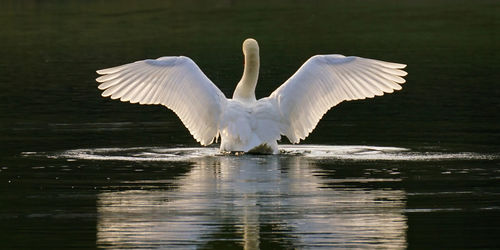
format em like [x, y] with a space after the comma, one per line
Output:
[175, 82]
[326, 80]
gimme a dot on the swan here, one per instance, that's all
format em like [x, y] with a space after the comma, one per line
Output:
[243, 123]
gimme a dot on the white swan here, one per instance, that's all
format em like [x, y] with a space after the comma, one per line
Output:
[244, 123]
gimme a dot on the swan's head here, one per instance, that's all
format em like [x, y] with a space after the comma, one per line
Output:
[250, 47]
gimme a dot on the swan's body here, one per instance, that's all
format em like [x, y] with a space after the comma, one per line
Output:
[244, 123]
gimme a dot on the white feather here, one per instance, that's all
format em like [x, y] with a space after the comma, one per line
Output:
[326, 80]
[244, 123]
[175, 82]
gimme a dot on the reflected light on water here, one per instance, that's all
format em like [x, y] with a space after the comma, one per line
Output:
[350, 152]
[253, 202]
[299, 198]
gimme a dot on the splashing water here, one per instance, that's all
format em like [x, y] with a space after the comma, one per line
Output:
[354, 152]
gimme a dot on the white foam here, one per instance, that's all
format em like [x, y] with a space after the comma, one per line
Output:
[351, 152]
[374, 153]
[137, 154]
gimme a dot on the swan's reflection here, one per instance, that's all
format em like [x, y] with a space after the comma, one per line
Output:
[254, 202]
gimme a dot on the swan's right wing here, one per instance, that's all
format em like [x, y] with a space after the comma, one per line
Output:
[326, 80]
[175, 82]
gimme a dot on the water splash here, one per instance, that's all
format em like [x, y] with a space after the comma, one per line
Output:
[350, 152]
[375, 153]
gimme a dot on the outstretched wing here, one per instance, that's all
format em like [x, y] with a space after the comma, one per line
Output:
[326, 80]
[175, 82]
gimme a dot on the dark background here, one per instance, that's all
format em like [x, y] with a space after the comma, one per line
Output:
[49, 101]
[51, 49]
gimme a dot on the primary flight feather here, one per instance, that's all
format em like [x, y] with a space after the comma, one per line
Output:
[244, 123]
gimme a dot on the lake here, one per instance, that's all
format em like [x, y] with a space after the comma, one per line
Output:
[418, 168]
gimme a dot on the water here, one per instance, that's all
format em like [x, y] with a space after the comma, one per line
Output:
[415, 169]
[308, 196]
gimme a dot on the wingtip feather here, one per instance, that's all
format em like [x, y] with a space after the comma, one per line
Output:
[101, 71]
[102, 86]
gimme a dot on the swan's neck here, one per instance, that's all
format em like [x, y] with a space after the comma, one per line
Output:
[245, 90]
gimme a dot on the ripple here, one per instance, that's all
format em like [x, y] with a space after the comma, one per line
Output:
[374, 153]
[137, 154]
[432, 210]
[339, 152]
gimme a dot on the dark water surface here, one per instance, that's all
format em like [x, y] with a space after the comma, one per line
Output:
[419, 168]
